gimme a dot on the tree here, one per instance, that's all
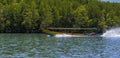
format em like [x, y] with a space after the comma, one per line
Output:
[81, 17]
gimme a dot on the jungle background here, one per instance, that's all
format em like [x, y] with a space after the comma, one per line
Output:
[23, 16]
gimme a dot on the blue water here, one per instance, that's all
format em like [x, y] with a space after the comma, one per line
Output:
[40, 46]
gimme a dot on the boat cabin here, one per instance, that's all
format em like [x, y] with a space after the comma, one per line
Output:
[74, 30]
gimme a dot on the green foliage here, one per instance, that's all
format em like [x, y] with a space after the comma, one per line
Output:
[29, 16]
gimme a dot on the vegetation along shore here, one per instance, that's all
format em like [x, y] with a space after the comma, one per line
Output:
[28, 16]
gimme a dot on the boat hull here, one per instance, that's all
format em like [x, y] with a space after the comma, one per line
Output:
[61, 34]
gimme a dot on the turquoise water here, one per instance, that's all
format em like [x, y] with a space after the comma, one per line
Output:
[40, 46]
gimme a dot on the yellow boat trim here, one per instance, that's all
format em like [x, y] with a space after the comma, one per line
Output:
[50, 32]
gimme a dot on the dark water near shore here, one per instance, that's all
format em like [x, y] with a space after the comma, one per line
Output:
[40, 46]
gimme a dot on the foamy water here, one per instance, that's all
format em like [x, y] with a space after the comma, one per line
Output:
[115, 32]
[63, 35]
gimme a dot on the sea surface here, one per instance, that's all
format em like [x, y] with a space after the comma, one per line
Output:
[41, 46]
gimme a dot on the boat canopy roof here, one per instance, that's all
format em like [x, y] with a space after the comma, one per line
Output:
[72, 28]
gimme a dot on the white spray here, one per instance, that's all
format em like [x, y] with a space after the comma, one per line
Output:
[63, 35]
[115, 32]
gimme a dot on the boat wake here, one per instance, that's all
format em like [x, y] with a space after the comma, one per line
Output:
[112, 33]
[63, 35]
[71, 35]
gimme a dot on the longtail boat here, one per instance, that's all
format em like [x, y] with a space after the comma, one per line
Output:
[70, 32]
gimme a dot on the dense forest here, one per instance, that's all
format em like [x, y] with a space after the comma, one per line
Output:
[29, 16]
